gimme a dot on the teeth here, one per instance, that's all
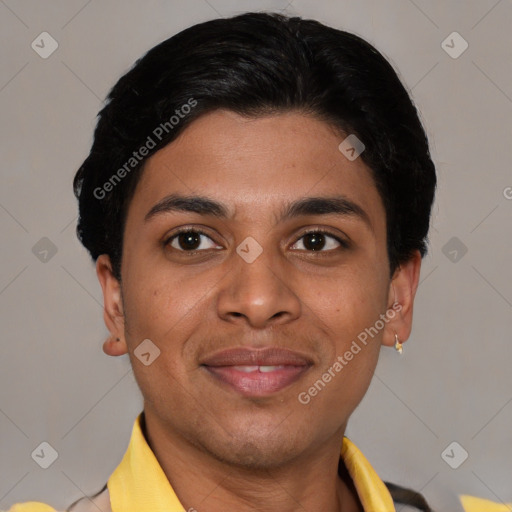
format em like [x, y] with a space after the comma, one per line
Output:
[249, 369]
[246, 369]
[265, 369]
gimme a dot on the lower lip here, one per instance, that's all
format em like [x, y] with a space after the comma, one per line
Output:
[257, 383]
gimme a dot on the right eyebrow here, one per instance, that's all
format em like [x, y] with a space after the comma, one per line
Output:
[193, 204]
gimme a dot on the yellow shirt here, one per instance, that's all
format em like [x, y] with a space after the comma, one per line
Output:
[473, 504]
[139, 484]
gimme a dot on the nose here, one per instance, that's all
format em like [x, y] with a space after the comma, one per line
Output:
[259, 294]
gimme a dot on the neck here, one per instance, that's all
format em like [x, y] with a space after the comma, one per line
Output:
[312, 481]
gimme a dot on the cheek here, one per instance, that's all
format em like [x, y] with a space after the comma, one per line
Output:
[167, 309]
[351, 383]
[155, 312]
[348, 307]
[158, 302]
[351, 301]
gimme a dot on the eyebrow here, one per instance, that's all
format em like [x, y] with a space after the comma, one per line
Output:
[335, 205]
[194, 204]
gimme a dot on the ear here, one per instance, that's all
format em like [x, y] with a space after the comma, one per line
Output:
[113, 314]
[402, 291]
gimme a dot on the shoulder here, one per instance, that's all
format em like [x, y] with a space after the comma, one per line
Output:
[474, 504]
[31, 506]
[409, 500]
[100, 501]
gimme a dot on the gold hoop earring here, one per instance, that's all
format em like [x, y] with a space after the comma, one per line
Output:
[398, 345]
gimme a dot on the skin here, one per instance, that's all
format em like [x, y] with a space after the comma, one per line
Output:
[221, 450]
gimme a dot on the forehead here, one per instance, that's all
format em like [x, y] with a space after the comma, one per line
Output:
[256, 163]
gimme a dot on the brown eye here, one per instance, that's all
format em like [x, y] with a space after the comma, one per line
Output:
[191, 241]
[314, 241]
[318, 241]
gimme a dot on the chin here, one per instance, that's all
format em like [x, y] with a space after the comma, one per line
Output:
[254, 455]
[253, 448]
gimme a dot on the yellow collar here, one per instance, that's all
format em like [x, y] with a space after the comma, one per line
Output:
[139, 484]
[474, 504]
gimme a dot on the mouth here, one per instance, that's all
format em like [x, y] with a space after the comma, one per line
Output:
[257, 373]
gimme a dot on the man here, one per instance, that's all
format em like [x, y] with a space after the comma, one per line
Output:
[257, 200]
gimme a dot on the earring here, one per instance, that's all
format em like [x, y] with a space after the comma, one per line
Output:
[398, 345]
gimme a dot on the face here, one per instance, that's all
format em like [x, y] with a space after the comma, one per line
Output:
[254, 256]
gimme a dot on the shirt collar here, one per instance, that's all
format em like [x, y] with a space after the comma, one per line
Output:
[139, 483]
[474, 504]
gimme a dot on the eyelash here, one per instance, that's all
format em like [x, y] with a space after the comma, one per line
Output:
[343, 243]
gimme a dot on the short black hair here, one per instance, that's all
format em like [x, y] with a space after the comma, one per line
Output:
[258, 64]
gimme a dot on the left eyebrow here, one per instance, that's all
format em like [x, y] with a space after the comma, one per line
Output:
[337, 205]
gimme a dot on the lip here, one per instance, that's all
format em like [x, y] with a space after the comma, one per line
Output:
[240, 369]
[268, 356]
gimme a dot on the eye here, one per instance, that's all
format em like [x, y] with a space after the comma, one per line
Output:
[318, 241]
[191, 240]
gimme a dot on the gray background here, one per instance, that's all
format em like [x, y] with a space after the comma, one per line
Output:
[454, 380]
